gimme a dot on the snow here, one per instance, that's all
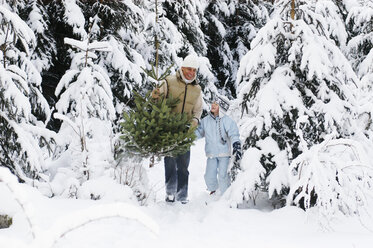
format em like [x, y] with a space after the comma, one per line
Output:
[36, 21]
[219, 26]
[19, 28]
[74, 17]
[334, 23]
[58, 222]
[339, 168]
[12, 91]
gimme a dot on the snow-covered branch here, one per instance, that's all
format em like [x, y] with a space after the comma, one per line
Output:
[335, 176]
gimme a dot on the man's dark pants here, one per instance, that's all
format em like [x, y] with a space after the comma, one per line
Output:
[177, 174]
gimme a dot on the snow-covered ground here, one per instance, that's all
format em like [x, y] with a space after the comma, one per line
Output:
[192, 225]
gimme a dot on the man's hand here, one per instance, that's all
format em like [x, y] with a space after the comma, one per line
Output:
[156, 93]
[194, 123]
[237, 151]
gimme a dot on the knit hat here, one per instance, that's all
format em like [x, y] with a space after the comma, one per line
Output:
[191, 61]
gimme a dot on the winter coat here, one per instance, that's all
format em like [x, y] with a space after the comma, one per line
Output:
[218, 144]
[189, 94]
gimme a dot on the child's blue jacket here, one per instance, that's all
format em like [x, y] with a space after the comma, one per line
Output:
[218, 144]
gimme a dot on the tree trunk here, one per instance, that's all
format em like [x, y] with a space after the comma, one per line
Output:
[292, 12]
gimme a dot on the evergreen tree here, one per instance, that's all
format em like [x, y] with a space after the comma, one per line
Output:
[187, 16]
[36, 16]
[330, 16]
[21, 100]
[335, 177]
[161, 34]
[119, 23]
[63, 19]
[187, 19]
[152, 130]
[229, 27]
[86, 108]
[295, 88]
[360, 53]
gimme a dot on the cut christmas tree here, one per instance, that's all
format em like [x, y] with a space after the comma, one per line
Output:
[152, 130]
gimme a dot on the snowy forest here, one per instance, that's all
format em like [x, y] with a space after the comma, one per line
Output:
[298, 75]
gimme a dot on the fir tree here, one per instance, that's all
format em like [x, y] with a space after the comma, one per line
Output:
[186, 17]
[85, 106]
[152, 130]
[360, 53]
[229, 27]
[119, 23]
[334, 176]
[52, 55]
[296, 87]
[21, 100]
[36, 16]
[330, 16]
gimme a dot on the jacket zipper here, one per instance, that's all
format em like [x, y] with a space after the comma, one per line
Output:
[186, 88]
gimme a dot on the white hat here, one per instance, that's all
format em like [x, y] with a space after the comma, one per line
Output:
[223, 103]
[191, 61]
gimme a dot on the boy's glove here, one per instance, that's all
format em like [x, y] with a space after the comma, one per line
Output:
[237, 151]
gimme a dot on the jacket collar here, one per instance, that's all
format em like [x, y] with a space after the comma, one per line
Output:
[220, 115]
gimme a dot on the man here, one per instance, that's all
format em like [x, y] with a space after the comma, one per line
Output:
[184, 86]
[220, 132]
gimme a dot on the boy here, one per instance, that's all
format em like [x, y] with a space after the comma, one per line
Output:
[220, 131]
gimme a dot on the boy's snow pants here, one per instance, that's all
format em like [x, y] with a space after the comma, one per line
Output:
[216, 175]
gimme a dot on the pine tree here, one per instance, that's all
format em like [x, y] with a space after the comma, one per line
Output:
[331, 19]
[36, 16]
[187, 16]
[120, 24]
[359, 47]
[335, 177]
[295, 88]
[160, 33]
[22, 104]
[360, 53]
[85, 106]
[152, 130]
[229, 27]
[51, 55]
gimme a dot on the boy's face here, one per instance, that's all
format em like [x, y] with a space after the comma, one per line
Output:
[215, 108]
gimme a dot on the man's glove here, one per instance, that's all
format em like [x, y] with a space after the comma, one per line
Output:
[237, 151]
[194, 122]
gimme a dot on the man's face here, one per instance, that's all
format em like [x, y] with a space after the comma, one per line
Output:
[189, 72]
[215, 108]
